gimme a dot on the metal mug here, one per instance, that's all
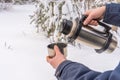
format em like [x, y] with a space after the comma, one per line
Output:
[62, 47]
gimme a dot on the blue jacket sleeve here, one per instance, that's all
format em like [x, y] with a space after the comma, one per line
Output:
[112, 14]
[69, 70]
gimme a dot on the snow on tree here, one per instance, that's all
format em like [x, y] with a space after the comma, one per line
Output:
[5, 4]
[24, 1]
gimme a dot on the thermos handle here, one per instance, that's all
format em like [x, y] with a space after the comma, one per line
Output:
[107, 28]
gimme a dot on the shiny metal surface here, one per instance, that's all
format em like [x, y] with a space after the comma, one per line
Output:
[112, 46]
[90, 39]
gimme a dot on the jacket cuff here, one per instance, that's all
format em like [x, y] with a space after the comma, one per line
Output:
[106, 13]
[61, 67]
[112, 14]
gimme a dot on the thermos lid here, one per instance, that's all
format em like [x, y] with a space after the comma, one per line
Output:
[66, 26]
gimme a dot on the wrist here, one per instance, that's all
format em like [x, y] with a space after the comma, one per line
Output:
[103, 9]
[59, 62]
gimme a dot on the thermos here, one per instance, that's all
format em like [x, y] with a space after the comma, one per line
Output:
[101, 41]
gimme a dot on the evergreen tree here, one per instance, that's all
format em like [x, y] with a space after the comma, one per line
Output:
[5, 4]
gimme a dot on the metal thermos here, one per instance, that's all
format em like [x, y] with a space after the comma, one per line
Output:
[85, 34]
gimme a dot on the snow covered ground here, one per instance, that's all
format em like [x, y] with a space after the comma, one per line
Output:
[23, 51]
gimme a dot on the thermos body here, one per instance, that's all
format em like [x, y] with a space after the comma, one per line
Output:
[95, 41]
[90, 39]
[100, 41]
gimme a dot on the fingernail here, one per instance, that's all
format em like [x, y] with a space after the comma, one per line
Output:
[84, 23]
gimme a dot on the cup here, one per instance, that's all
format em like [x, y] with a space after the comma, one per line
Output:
[62, 47]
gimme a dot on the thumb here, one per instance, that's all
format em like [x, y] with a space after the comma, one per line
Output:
[57, 50]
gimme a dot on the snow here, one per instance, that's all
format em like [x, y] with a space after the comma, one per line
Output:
[23, 51]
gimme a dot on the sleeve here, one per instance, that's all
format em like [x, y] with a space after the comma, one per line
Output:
[112, 14]
[69, 70]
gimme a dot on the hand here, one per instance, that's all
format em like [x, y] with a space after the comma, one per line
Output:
[97, 13]
[58, 59]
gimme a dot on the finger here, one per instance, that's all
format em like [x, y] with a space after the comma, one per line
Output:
[93, 22]
[57, 50]
[88, 20]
